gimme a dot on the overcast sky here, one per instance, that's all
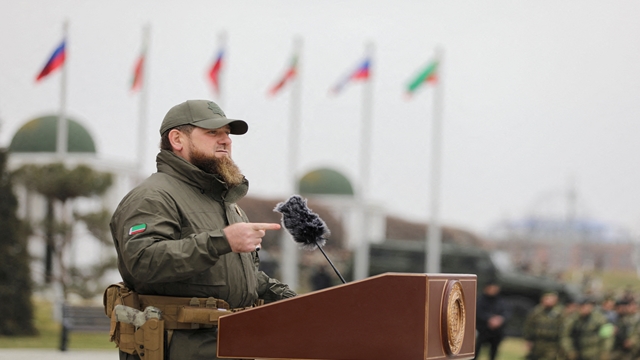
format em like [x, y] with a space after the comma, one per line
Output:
[539, 96]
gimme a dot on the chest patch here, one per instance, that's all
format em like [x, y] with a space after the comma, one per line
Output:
[137, 229]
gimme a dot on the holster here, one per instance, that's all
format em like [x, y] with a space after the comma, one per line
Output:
[149, 339]
[177, 314]
[121, 334]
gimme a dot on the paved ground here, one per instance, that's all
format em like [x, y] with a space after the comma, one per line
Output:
[50, 354]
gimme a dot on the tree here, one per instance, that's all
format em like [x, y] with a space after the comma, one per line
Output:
[16, 309]
[59, 185]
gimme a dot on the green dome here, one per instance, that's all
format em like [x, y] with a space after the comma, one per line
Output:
[325, 182]
[40, 135]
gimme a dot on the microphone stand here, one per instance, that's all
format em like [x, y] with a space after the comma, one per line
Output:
[330, 263]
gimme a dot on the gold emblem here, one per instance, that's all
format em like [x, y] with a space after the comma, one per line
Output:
[453, 317]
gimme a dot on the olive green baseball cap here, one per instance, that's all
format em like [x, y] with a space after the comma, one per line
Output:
[201, 113]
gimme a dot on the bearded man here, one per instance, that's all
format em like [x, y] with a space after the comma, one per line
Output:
[182, 240]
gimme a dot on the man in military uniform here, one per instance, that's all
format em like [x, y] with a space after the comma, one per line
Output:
[543, 327]
[627, 333]
[587, 335]
[180, 234]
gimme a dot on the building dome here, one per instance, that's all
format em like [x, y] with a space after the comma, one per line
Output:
[325, 182]
[40, 135]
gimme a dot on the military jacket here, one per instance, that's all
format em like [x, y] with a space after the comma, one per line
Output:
[587, 337]
[627, 334]
[543, 324]
[169, 239]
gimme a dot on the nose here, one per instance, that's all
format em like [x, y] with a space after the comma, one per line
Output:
[225, 139]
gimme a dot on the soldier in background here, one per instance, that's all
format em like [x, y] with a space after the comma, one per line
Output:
[627, 333]
[543, 327]
[570, 309]
[492, 313]
[587, 335]
[608, 308]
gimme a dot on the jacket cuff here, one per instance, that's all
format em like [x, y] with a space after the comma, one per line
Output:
[218, 243]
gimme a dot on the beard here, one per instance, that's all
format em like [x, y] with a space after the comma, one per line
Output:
[223, 167]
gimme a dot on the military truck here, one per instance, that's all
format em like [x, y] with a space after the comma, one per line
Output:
[522, 291]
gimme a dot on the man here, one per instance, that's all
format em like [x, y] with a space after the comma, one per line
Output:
[542, 328]
[492, 313]
[180, 234]
[587, 335]
[627, 332]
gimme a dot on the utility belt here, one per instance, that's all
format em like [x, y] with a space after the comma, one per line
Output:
[149, 339]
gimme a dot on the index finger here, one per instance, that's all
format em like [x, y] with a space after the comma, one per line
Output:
[266, 226]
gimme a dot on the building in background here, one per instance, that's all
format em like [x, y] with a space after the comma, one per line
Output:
[35, 144]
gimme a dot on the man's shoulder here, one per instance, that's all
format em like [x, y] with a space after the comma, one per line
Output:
[156, 186]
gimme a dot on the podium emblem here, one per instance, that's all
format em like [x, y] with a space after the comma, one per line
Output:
[453, 317]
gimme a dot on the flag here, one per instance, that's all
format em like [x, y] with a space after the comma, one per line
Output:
[428, 74]
[55, 61]
[361, 73]
[138, 71]
[214, 72]
[289, 75]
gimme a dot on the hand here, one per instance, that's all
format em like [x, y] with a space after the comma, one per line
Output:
[495, 321]
[247, 237]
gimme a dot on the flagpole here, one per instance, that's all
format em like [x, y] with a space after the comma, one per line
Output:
[434, 237]
[290, 249]
[361, 260]
[63, 127]
[142, 105]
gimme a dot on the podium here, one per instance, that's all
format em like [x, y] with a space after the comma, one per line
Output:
[388, 316]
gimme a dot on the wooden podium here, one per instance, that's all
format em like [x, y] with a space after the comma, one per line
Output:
[389, 316]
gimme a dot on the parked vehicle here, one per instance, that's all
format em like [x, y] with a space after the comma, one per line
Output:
[522, 291]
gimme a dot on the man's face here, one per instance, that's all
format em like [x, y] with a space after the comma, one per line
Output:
[214, 142]
[585, 309]
[210, 151]
[549, 300]
[492, 289]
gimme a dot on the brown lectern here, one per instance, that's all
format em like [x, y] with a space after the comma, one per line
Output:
[389, 316]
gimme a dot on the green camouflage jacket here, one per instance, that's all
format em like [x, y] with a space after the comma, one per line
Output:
[169, 239]
[587, 337]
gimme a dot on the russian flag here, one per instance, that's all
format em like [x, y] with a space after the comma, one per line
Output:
[55, 61]
[361, 73]
[214, 72]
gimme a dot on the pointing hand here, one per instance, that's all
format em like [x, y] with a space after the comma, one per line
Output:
[247, 237]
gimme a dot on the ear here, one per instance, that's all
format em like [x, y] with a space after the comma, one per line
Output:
[176, 138]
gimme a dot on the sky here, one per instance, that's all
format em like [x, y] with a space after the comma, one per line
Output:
[539, 97]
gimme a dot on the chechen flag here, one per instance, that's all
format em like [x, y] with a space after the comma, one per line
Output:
[428, 75]
[360, 73]
[55, 61]
[214, 72]
[289, 75]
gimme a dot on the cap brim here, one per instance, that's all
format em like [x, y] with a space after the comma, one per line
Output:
[238, 127]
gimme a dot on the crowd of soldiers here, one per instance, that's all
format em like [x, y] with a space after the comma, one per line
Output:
[583, 330]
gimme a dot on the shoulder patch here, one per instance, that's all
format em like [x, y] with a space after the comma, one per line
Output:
[137, 229]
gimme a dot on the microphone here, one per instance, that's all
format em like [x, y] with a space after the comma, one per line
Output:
[305, 226]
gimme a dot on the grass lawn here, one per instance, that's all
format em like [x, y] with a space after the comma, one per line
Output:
[49, 337]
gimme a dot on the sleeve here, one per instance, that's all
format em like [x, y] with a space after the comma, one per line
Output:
[566, 342]
[528, 332]
[505, 309]
[148, 232]
[270, 289]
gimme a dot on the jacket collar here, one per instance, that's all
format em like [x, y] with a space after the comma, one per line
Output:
[177, 167]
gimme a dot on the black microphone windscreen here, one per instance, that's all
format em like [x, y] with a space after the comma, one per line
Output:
[304, 225]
